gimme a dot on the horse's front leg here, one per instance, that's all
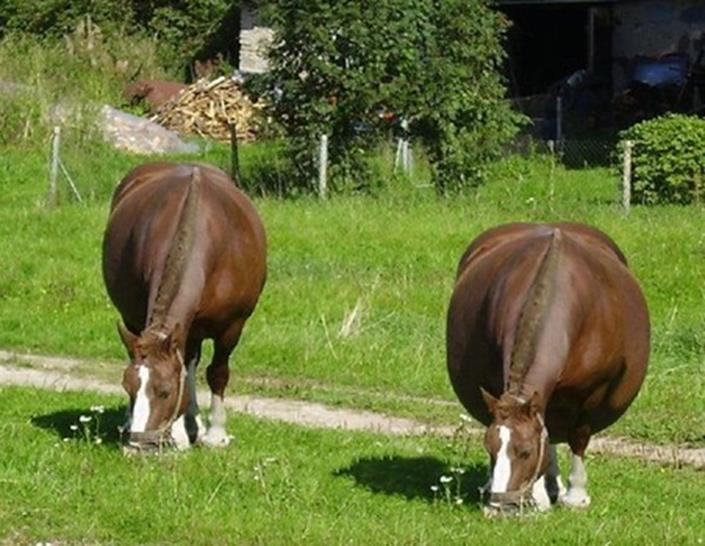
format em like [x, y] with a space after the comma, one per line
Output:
[577, 496]
[217, 376]
[188, 428]
[554, 484]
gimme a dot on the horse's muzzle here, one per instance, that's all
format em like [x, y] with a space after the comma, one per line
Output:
[147, 443]
[498, 510]
[507, 504]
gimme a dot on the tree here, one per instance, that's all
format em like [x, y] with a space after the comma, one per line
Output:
[336, 64]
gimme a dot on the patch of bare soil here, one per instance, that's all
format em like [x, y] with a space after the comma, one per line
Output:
[55, 374]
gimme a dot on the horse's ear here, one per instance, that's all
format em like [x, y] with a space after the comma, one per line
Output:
[533, 405]
[171, 342]
[490, 400]
[128, 339]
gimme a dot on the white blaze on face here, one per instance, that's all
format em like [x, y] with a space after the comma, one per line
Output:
[503, 467]
[140, 413]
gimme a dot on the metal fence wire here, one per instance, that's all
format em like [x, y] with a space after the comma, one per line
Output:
[572, 153]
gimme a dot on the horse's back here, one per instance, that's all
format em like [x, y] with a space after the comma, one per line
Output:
[229, 244]
[594, 334]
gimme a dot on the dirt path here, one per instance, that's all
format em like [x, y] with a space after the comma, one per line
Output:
[55, 374]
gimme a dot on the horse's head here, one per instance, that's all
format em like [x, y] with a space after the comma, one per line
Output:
[155, 381]
[517, 442]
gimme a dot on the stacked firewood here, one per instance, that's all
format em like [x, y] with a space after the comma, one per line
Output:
[207, 108]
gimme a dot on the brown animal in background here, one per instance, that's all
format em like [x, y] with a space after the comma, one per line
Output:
[154, 92]
[207, 68]
[184, 259]
[547, 342]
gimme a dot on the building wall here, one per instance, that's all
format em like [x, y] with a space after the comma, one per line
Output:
[654, 28]
[254, 40]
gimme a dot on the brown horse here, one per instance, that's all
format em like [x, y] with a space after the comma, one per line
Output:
[547, 342]
[184, 259]
[154, 92]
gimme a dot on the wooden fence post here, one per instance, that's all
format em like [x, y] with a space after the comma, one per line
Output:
[627, 175]
[323, 167]
[52, 195]
[234, 154]
[403, 154]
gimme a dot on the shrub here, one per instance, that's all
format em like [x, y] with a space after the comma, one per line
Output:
[668, 160]
[183, 30]
[337, 64]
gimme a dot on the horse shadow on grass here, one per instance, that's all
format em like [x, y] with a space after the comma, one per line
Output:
[87, 425]
[417, 478]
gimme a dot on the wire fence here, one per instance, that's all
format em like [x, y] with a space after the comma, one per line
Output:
[569, 151]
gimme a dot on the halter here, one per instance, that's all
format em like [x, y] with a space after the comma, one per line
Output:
[518, 497]
[158, 437]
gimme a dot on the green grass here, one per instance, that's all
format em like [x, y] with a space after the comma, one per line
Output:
[266, 488]
[394, 253]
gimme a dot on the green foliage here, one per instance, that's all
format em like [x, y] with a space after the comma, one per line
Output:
[458, 93]
[336, 65]
[668, 160]
[184, 30]
[191, 29]
[64, 81]
[22, 118]
[87, 65]
[54, 18]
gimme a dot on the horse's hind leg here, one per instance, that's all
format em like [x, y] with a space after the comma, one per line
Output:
[217, 376]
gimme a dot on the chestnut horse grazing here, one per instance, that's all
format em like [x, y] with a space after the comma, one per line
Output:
[547, 342]
[184, 259]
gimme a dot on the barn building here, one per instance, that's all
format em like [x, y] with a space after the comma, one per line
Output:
[600, 47]
[550, 39]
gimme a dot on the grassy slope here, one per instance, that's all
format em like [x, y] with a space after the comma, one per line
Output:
[264, 489]
[395, 253]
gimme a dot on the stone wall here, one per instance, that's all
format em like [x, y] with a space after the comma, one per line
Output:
[254, 40]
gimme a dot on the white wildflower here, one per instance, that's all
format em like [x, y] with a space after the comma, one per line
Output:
[434, 488]
[446, 479]
[98, 441]
[85, 418]
[74, 427]
[98, 409]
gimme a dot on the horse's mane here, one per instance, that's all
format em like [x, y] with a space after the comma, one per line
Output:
[532, 314]
[178, 251]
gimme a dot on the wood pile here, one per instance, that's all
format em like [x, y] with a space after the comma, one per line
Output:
[207, 108]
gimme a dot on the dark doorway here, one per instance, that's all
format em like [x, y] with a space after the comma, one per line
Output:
[549, 42]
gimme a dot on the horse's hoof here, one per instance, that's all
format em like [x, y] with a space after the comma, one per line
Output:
[216, 439]
[577, 500]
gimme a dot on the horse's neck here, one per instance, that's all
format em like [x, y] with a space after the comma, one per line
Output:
[184, 303]
[550, 358]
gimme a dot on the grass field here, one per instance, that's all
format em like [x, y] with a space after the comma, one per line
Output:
[282, 484]
[392, 254]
